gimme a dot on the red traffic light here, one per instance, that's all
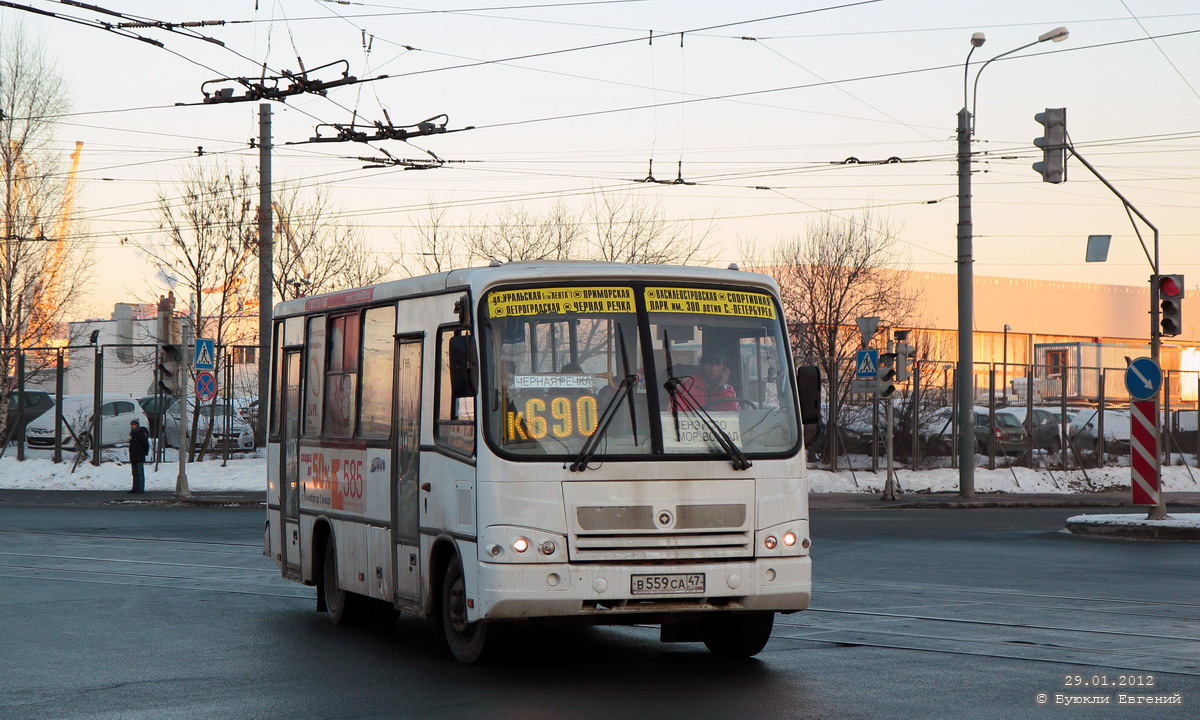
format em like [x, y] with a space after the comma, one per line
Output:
[1169, 286]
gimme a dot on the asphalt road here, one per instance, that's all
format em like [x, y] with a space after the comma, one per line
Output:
[126, 611]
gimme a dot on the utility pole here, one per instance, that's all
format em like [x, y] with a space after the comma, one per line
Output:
[265, 269]
[181, 481]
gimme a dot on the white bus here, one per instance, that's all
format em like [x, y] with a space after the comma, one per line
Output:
[544, 441]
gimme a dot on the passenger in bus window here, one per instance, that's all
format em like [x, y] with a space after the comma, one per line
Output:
[710, 387]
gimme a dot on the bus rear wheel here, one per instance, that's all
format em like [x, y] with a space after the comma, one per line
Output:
[468, 642]
[738, 635]
[344, 607]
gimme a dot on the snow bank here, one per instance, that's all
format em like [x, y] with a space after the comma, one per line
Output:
[1174, 520]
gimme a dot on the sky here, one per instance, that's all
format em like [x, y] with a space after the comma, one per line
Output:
[758, 104]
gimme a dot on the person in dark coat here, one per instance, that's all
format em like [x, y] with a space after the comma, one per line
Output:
[139, 446]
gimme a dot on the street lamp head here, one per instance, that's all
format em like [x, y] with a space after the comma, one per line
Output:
[978, 39]
[1058, 34]
[1007, 327]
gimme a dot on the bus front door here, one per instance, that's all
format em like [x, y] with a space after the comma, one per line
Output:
[290, 487]
[406, 455]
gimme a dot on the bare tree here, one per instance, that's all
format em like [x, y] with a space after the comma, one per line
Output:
[517, 234]
[45, 265]
[316, 253]
[613, 228]
[840, 269]
[210, 236]
[628, 230]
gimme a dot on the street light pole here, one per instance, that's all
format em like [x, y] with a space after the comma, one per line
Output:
[966, 260]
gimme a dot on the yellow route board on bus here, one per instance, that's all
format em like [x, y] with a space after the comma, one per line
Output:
[560, 301]
[710, 302]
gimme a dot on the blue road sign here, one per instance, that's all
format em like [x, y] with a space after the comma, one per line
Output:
[206, 353]
[866, 364]
[206, 386]
[1143, 378]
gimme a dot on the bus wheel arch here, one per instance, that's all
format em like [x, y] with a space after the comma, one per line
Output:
[468, 642]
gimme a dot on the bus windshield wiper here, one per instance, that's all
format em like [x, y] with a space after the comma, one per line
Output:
[681, 397]
[624, 390]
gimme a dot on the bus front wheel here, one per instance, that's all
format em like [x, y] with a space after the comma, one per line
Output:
[467, 641]
[738, 634]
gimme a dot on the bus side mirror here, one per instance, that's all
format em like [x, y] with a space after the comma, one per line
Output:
[464, 367]
[808, 383]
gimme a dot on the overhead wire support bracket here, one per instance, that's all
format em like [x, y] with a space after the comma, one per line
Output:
[651, 179]
[269, 88]
[358, 132]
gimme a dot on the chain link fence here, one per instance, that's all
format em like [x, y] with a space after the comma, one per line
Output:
[1039, 416]
[50, 397]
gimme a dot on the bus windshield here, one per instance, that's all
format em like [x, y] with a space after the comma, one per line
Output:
[555, 357]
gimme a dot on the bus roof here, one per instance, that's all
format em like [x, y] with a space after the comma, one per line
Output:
[479, 279]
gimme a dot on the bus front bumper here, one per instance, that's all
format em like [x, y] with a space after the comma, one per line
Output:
[558, 590]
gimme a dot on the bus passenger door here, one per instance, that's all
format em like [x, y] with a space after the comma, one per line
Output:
[406, 455]
[290, 487]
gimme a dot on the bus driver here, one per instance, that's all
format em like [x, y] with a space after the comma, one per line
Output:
[710, 387]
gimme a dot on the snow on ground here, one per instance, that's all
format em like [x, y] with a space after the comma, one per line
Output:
[1174, 520]
[42, 474]
[249, 475]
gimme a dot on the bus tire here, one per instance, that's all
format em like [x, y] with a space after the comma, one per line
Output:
[343, 606]
[468, 642]
[738, 635]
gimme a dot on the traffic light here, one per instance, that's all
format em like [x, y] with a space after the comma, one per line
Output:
[1170, 296]
[904, 353]
[170, 365]
[1053, 143]
[887, 374]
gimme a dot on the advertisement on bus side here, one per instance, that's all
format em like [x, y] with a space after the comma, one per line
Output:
[342, 479]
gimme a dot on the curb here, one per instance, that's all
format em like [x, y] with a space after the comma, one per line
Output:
[1134, 532]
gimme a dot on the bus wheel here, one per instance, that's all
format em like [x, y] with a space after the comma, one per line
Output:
[468, 641]
[738, 635]
[342, 606]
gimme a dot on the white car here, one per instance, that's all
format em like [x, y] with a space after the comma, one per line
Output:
[1085, 428]
[115, 412]
[228, 430]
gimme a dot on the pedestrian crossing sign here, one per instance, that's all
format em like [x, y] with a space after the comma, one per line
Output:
[866, 364]
[205, 353]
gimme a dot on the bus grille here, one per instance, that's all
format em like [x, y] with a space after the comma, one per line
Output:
[660, 546]
[632, 532]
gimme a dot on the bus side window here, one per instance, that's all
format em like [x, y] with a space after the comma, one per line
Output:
[375, 409]
[454, 419]
[341, 376]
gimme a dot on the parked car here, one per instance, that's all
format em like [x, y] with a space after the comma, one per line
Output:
[36, 403]
[115, 412]
[937, 432]
[229, 429]
[1047, 426]
[155, 406]
[1085, 429]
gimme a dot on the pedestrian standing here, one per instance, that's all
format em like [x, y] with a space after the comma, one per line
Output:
[139, 446]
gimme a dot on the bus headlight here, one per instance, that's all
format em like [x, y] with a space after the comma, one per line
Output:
[511, 544]
[789, 539]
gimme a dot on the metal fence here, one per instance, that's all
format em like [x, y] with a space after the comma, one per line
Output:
[50, 397]
[1039, 416]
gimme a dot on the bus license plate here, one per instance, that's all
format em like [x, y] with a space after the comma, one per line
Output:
[666, 584]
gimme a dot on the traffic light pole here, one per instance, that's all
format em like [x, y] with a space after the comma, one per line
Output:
[1159, 511]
